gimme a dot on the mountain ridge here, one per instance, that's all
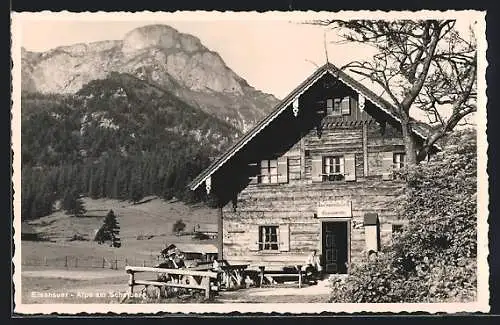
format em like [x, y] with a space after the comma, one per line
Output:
[158, 54]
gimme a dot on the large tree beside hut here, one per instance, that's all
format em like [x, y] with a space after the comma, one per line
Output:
[419, 64]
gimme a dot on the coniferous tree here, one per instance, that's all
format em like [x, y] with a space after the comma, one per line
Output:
[136, 188]
[73, 204]
[110, 230]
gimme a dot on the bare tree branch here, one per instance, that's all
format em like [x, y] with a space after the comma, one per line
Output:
[419, 63]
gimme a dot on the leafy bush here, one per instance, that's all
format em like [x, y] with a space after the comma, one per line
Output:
[434, 258]
[178, 227]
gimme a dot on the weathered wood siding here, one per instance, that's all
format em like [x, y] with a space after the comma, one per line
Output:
[295, 203]
[368, 136]
[296, 206]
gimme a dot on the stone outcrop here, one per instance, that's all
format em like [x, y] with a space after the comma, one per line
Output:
[158, 54]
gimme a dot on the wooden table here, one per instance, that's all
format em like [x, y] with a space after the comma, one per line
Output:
[232, 275]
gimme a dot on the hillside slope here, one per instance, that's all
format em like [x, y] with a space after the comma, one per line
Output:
[118, 137]
[145, 229]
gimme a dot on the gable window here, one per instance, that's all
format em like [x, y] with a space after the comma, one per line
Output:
[269, 171]
[399, 160]
[333, 168]
[338, 106]
[268, 238]
[333, 107]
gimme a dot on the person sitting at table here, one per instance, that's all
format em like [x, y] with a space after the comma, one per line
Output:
[216, 266]
[313, 267]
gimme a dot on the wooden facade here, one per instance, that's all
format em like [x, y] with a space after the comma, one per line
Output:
[315, 175]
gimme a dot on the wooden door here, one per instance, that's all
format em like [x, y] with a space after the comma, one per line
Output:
[335, 246]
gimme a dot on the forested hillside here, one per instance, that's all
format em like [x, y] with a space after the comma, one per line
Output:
[119, 137]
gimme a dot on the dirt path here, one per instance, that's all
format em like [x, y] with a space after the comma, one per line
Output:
[106, 286]
[308, 294]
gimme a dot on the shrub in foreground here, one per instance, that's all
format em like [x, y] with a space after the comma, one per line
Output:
[434, 258]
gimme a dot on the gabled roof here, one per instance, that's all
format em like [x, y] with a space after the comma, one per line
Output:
[384, 105]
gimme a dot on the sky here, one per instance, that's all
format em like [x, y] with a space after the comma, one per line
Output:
[273, 54]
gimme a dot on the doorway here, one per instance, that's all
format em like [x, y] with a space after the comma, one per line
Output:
[335, 246]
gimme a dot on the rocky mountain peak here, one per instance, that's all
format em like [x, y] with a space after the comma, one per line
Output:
[158, 54]
[160, 36]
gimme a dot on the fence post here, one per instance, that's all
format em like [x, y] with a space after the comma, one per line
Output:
[116, 264]
[45, 260]
[126, 262]
[76, 262]
[131, 282]
[206, 283]
[144, 263]
[66, 261]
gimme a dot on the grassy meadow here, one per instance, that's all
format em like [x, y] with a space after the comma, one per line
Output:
[60, 264]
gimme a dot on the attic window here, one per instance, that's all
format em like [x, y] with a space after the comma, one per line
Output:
[339, 106]
[333, 107]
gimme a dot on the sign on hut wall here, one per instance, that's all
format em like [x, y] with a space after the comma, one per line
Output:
[335, 209]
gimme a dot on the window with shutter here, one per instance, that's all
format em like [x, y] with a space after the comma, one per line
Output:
[268, 172]
[334, 107]
[339, 106]
[284, 237]
[283, 170]
[333, 168]
[387, 165]
[399, 160]
[268, 238]
[350, 167]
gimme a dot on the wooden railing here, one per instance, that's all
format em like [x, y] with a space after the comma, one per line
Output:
[179, 278]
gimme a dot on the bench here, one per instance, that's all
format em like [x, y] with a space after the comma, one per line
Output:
[179, 278]
[270, 273]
